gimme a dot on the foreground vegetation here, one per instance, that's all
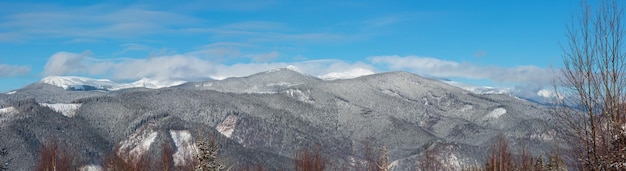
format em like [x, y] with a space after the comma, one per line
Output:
[53, 156]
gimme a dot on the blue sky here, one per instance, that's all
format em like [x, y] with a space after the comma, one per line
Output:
[493, 43]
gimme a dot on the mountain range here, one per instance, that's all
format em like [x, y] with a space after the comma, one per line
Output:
[82, 83]
[266, 117]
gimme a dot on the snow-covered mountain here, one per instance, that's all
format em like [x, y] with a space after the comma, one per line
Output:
[271, 81]
[82, 83]
[266, 117]
[267, 85]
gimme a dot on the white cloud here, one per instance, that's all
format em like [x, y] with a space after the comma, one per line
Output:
[255, 25]
[162, 67]
[186, 67]
[176, 67]
[451, 69]
[546, 93]
[139, 21]
[64, 63]
[89, 22]
[12, 70]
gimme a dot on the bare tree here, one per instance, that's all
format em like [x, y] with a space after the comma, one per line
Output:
[384, 164]
[428, 160]
[114, 161]
[593, 81]
[370, 155]
[167, 151]
[310, 160]
[53, 157]
[525, 160]
[500, 158]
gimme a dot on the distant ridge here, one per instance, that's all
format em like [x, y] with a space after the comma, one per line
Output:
[86, 84]
[271, 81]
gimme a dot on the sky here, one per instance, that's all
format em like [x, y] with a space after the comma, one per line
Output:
[508, 44]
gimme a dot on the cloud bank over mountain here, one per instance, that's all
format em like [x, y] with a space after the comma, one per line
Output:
[444, 68]
[190, 67]
[527, 81]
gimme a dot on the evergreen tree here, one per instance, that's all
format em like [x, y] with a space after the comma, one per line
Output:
[555, 163]
[207, 156]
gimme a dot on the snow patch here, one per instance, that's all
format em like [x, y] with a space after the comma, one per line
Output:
[393, 164]
[185, 147]
[227, 127]
[496, 113]
[206, 85]
[452, 162]
[544, 136]
[11, 92]
[90, 167]
[7, 114]
[280, 84]
[353, 73]
[137, 144]
[8, 110]
[298, 94]
[66, 109]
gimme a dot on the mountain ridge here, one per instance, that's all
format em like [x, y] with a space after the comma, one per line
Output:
[77, 83]
[86, 84]
[405, 112]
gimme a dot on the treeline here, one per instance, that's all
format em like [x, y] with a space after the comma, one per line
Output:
[54, 156]
[501, 158]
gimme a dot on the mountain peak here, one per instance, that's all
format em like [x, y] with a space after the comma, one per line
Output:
[289, 72]
[289, 68]
[271, 81]
[78, 83]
